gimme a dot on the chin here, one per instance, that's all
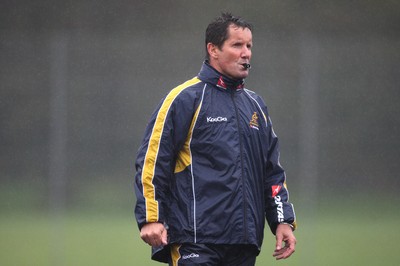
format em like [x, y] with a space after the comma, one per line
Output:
[242, 76]
[238, 75]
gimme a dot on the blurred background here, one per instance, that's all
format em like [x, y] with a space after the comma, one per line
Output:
[80, 79]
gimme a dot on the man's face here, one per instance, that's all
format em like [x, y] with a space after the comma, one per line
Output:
[235, 51]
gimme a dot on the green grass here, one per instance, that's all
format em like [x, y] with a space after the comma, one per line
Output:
[101, 230]
[77, 239]
[101, 238]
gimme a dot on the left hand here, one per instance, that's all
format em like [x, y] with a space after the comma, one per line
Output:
[285, 234]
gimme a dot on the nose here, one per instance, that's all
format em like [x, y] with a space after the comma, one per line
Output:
[246, 52]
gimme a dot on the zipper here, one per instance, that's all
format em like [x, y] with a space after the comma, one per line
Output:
[241, 165]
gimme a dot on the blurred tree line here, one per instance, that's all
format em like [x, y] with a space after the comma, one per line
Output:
[329, 72]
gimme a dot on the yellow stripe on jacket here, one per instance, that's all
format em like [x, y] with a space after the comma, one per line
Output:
[152, 208]
[184, 156]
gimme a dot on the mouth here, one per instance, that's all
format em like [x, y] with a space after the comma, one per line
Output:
[246, 66]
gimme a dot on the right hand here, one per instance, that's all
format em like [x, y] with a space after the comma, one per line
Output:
[154, 234]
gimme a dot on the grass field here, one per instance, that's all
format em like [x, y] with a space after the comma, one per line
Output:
[103, 232]
[112, 239]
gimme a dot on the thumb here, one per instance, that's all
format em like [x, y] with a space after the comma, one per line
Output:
[278, 244]
[164, 235]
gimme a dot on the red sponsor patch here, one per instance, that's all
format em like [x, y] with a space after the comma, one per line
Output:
[275, 190]
[221, 83]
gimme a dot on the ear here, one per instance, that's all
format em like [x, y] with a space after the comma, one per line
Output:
[212, 50]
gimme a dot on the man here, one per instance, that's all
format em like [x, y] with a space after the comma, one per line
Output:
[208, 172]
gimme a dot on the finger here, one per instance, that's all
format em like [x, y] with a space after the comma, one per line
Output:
[288, 252]
[278, 244]
[149, 240]
[291, 244]
[285, 252]
[152, 239]
[156, 241]
[144, 237]
[164, 237]
[278, 253]
[281, 254]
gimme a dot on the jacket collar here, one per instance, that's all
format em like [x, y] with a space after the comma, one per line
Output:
[210, 75]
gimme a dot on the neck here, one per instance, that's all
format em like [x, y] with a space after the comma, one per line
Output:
[222, 80]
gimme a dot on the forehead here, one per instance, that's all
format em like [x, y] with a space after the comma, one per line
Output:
[239, 33]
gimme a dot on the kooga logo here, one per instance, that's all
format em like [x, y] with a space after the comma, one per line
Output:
[216, 119]
[192, 255]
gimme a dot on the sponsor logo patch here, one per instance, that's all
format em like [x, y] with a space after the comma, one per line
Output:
[278, 201]
[192, 255]
[216, 119]
[254, 121]
[275, 190]
[221, 83]
[279, 208]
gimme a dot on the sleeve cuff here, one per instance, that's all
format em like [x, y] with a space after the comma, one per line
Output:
[293, 226]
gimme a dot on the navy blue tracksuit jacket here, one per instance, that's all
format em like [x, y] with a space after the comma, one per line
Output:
[208, 167]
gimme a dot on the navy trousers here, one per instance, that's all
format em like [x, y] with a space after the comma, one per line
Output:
[213, 255]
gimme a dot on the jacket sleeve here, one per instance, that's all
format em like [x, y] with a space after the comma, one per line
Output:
[164, 136]
[278, 208]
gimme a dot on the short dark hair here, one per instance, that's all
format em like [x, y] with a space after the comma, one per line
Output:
[217, 31]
